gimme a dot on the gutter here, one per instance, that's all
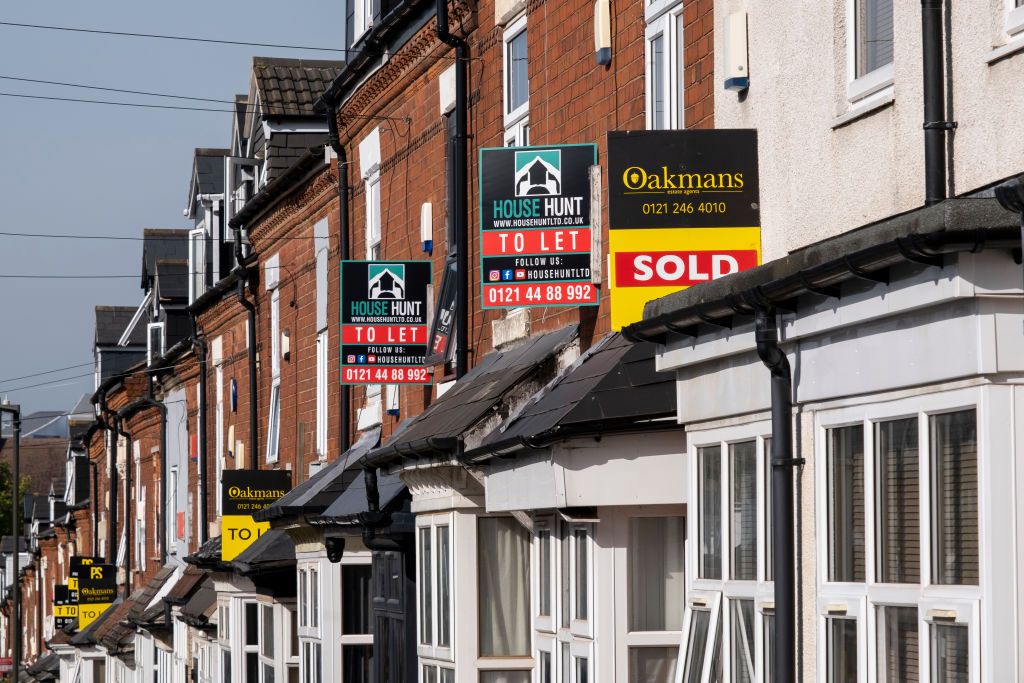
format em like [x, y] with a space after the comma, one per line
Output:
[778, 284]
[310, 164]
[444, 446]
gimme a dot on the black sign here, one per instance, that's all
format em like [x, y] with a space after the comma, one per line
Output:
[65, 611]
[443, 328]
[683, 179]
[384, 323]
[78, 562]
[535, 226]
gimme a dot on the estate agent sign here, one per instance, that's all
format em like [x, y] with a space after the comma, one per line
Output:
[384, 322]
[535, 226]
[683, 208]
[244, 493]
[97, 590]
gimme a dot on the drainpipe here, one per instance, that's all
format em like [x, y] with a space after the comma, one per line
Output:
[345, 404]
[150, 402]
[374, 518]
[935, 125]
[95, 507]
[119, 431]
[250, 308]
[112, 479]
[782, 462]
[460, 192]
[199, 343]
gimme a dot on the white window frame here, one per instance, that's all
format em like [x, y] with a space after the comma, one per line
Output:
[362, 18]
[718, 593]
[347, 639]
[712, 603]
[1014, 18]
[322, 364]
[863, 598]
[274, 412]
[877, 84]
[374, 247]
[310, 620]
[151, 353]
[665, 19]
[196, 269]
[512, 31]
[282, 659]
[433, 650]
[218, 409]
[172, 511]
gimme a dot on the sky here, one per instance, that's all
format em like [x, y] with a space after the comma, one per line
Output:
[86, 169]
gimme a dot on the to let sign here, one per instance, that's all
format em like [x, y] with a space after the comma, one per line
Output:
[244, 493]
[384, 325]
[535, 226]
[683, 208]
[97, 590]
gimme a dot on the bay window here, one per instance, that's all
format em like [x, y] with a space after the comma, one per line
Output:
[901, 491]
[504, 562]
[356, 620]
[655, 596]
[435, 600]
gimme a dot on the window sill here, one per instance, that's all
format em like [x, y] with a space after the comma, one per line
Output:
[865, 108]
[1013, 46]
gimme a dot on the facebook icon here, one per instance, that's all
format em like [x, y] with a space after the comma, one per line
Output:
[506, 274]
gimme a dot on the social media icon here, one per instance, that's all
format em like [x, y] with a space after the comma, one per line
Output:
[495, 275]
[362, 359]
[506, 274]
[351, 358]
[371, 359]
[520, 274]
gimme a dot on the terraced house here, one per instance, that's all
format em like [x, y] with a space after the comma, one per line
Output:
[673, 431]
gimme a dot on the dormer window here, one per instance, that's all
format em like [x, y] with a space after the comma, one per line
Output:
[155, 346]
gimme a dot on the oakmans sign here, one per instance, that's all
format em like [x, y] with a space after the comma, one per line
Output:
[244, 493]
[683, 209]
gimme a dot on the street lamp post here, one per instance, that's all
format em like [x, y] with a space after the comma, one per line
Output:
[15, 412]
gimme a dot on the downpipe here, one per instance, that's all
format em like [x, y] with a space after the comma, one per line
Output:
[199, 344]
[935, 123]
[120, 431]
[250, 309]
[345, 400]
[782, 464]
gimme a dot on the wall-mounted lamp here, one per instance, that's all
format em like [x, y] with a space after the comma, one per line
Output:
[603, 32]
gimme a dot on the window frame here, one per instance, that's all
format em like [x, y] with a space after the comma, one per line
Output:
[964, 599]
[432, 649]
[665, 19]
[274, 407]
[322, 370]
[874, 85]
[1014, 19]
[512, 31]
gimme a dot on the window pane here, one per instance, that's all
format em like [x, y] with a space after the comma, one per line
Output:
[842, 650]
[582, 574]
[874, 35]
[355, 598]
[897, 645]
[252, 667]
[267, 643]
[429, 674]
[769, 647]
[899, 517]
[954, 445]
[518, 72]
[268, 673]
[656, 582]
[769, 557]
[846, 504]
[504, 677]
[447, 675]
[652, 664]
[303, 598]
[357, 663]
[700, 622]
[314, 598]
[252, 624]
[444, 589]
[544, 562]
[709, 463]
[657, 47]
[504, 561]
[743, 525]
[742, 656]
[426, 589]
[950, 656]
[545, 668]
[582, 670]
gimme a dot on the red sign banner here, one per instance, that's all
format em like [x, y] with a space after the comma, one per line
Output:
[680, 268]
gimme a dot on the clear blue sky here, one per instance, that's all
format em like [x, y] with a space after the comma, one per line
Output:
[87, 169]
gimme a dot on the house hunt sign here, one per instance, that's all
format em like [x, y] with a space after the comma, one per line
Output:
[683, 209]
[244, 493]
[535, 225]
[384, 322]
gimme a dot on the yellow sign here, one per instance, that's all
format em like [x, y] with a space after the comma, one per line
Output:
[90, 613]
[647, 264]
[237, 533]
[65, 611]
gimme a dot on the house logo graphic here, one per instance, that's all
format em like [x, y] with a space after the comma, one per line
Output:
[386, 281]
[538, 173]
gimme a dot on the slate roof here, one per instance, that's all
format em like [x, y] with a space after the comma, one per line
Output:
[273, 550]
[87, 636]
[614, 383]
[208, 555]
[7, 544]
[289, 87]
[314, 495]
[172, 279]
[349, 507]
[159, 244]
[140, 602]
[112, 321]
[475, 396]
[45, 423]
[182, 590]
[200, 606]
[208, 170]
[45, 668]
[115, 629]
[284, 150]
